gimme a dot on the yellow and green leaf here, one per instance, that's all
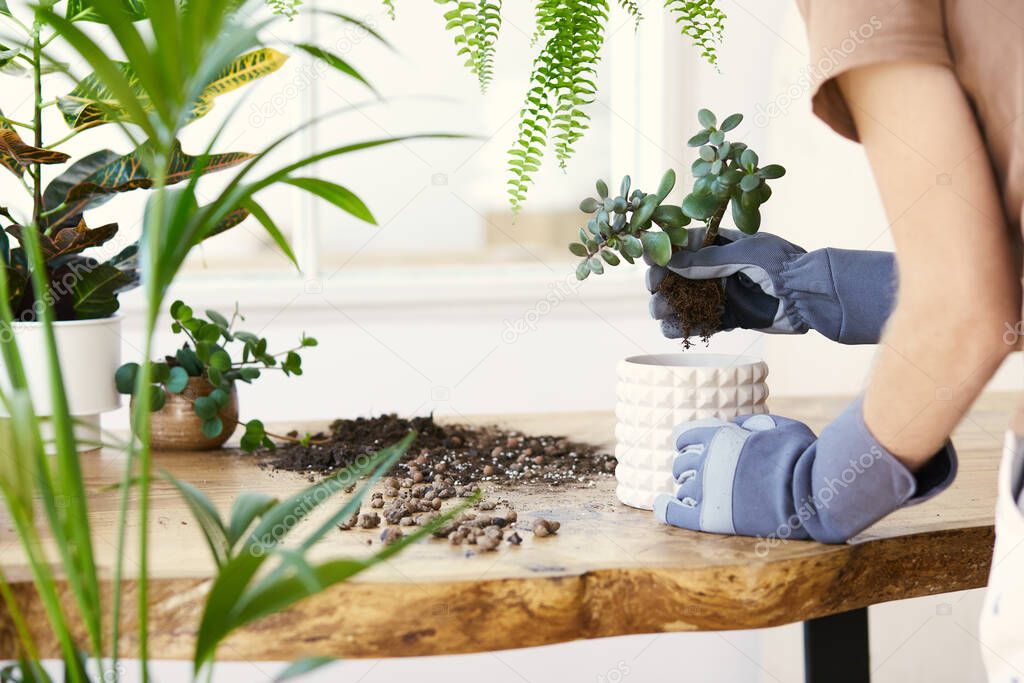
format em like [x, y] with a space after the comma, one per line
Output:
[91, 103]
[247, 68]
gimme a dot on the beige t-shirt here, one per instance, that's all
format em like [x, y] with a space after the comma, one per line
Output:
[982, 41]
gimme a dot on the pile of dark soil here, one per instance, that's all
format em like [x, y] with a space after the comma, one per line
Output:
[698, 305]
[462, 454]
[448, 462]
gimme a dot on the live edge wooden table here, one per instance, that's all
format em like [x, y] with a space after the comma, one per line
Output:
[610, 571]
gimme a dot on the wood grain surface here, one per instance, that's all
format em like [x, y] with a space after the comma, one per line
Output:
[611, 570]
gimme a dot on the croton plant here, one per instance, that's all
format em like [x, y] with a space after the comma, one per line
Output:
[81, 286]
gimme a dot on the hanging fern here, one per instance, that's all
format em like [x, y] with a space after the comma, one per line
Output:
[703, 22]
[562, 81]
[476, 26]
[633, 10]
[286, 8]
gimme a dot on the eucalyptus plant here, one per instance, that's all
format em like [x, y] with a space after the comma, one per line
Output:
[153, 60]
[726, 174]
[563, 80]
[207, 354]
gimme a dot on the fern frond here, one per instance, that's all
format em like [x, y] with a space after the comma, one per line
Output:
[476, 26]
[562, 84]
[286, 8]
[703, 22]
[633, 10]
[389, 7]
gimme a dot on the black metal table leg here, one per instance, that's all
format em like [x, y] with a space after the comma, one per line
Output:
[836, 648]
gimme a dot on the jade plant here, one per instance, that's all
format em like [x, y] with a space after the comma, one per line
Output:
[727, 175]
[217, 352]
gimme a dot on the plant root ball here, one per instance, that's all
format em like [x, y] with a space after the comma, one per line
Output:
[697, 303]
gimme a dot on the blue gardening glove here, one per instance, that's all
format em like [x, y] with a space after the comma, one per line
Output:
[774, 286]
[769, 476]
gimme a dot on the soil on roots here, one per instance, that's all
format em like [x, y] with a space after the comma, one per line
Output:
[697, 303]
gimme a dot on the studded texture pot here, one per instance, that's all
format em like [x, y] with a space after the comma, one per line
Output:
[657, 392]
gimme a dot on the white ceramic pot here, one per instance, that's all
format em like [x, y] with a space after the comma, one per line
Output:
[89, 352]
[656, 393]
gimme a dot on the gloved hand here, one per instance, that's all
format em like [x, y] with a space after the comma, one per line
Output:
[769, 476]
[774, 286]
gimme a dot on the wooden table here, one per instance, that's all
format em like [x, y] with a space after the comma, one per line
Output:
[610, 571]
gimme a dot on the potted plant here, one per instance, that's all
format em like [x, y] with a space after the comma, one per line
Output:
[82, 289]
[657, 392]
[194, 400]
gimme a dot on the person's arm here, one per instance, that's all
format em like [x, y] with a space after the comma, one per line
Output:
[956, 310]
[959, 289]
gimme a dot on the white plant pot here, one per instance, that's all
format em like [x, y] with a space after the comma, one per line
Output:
[89, 353]
[657, 392]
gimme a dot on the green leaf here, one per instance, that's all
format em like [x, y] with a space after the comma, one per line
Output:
[218, 319]
[206, 515]
[589, 205]
[212, 428]
[610, 258]
[749, 183]
[771, 171]
[248, 506]
[596, 267]
[220, 397]
[583, 270]
[160, 373]
[624, 186]
[632, 247]
[81, 10]
[602, 188]
[700, 206]
[157, 398]
[124, 378]
[187, 359]
[670, 216]
[706, 118]
[716, 138]
[657, 246]
[747, 220]
[221, 360]
[708, 153]
[205, 408]
[180, 311]
[731, 121]
[680, 237]
[335, 62]
[215, 376]
[699, 139]
[232, 591]
[4, 9]
[668, 181]
[341, 197]
[578, 249]
[177, 380]
[249, 374]
[642, 214]
[94, 293]
[268, 224]
[748, 159]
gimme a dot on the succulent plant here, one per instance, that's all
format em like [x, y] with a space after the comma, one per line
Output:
[727, 173]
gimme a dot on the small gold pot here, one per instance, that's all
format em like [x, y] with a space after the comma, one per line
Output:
[176, 427]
